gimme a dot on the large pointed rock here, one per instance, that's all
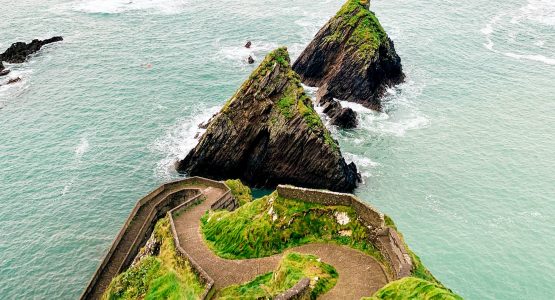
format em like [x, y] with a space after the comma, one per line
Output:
[268, 134]
[351, 58]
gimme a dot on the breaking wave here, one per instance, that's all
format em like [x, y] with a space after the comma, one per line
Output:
[179, 140]
[122, 6]
[523, 34]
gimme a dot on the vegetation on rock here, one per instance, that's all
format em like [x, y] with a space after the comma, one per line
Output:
[292, 268]
[240, 191]
[164, 276]
[351, 58]
[413, 288]
[268, 133]
[271, 224]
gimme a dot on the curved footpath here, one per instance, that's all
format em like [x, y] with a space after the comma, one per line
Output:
[359, 274]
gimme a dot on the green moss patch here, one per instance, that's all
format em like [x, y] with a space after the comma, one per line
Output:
[240, 191]
[413, 288]
[271, 224]
[165, 276]
[292, 268]
[367, 32]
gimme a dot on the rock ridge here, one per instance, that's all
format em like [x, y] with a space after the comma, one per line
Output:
[18, 52]
[351, 58]
[268, 134]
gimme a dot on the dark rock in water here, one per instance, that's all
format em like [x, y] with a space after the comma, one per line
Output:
[3, 70]
[346, 118]
[268, 134]
[351, 58]
[1, 66]
[18, 52]
[250, 60]
[343, 117]
[248, 44]
[14, 80]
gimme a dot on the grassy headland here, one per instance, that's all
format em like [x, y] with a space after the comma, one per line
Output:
[292, 268]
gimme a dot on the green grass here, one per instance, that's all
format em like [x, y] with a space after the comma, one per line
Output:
[165, 276]
[240, 191]
[413, 288]
[292, 268]
[271, 224]
[367, 34]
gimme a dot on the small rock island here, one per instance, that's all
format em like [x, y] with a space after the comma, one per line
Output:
[351, 58]
[268, 134]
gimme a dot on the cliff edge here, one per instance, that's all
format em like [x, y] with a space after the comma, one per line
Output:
[268, 134]
[351, 58]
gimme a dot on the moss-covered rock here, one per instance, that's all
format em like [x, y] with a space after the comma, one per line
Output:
[351, 58]
[268, 133]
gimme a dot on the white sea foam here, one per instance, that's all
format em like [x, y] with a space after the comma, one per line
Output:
[121, 6]
[179, 140]
[239, 54]
[81, 148]
[11, 91]
[539, 12]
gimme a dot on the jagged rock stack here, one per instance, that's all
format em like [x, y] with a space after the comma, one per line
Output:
[351, 58]
[18, 52]
[268, 134]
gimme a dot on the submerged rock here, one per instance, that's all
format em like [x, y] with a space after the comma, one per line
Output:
[250, 60]
[351, 58]
[248, 44]
[18, 52]
[268, 134]
[3, 71]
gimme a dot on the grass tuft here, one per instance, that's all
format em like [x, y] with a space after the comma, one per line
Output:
[413, 288]
[240, 191]
[271, 224]
[292, 268]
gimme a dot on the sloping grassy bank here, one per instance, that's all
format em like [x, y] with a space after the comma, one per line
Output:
[292, 268]
[271, 224]
[163, 276]
[413, 288]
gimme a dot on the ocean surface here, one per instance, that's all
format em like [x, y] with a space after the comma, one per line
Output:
[462, 158]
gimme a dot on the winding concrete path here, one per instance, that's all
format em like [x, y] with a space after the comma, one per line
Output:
[359, 274]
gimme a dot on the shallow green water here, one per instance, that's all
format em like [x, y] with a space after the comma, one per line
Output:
[462, 160]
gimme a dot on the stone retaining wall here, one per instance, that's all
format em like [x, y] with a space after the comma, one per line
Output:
[368, 215]
[179, 194]
[299, 291]
[385, 238]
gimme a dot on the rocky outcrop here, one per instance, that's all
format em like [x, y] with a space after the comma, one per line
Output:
[268, 134]
[3, 70]
[342, 117]
[351, 58]
[18, 52]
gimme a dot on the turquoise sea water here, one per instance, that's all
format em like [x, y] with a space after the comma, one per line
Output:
[462, 159]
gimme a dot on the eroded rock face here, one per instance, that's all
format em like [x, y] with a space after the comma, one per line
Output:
[18, 52]
[342, 117]
[351, 58]
[268, 134]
